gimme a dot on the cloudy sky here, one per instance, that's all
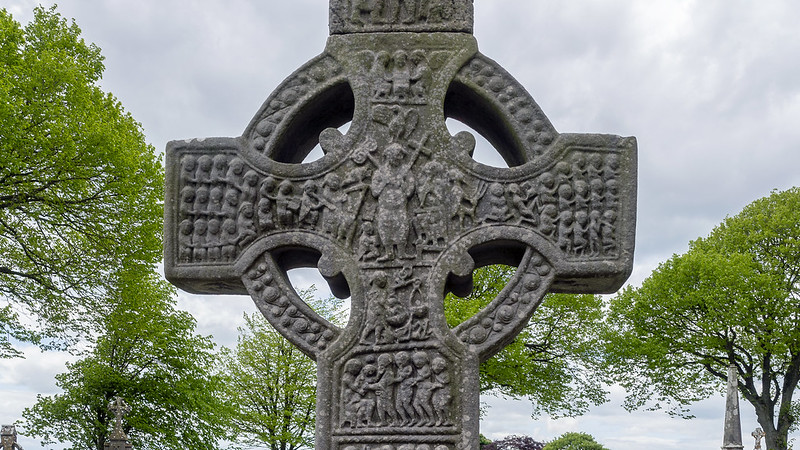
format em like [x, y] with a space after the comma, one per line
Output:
[710, 88]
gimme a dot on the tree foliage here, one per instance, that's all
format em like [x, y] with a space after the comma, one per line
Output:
[574, 441]
[271, 384]
[149, 355]
[552, 362]
[732, 299]
[80, 189]
[514, 443]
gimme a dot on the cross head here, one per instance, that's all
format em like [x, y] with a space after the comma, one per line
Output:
[396, 214]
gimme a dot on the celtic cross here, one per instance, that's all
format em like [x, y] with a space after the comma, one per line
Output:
[396, 214]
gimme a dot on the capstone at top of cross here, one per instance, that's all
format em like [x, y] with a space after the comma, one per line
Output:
[380, 16]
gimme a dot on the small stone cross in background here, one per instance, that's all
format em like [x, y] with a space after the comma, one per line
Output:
[118, 440]
[758, 434]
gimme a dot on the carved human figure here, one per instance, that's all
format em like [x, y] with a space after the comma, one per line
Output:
[286, 205]
[245, 224]
[547, 220]
[580, 230]
[565, 230]
[368, 242]
[393, 185]
[249, 187]
[266, 220]
[423, 396]
[230, 207]
[421, 75]
[214, 252]
[420, 323]
[404, 396]
[366, 385]
[461, 206]
[188, 168]
[199, 241]
[204, 166]
[611, 195]
[400, 75]
[201, 197]
[497, 204]
[310, 205]
[187, 202]
[333, 202]
[520, 210]
[397, 317]
[371, 8]
[596, 201]
[380, 75]
[351, 396]
[595, 243]
[228, 239]
[442, 396]
[375, 327]
[185, 231]
[234, 176]
[581, 195]
[219, 170]
[607, 235]
[384, 390]
[215, 201]
[546, 192]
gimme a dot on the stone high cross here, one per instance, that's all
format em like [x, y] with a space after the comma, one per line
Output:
[118, 440]
[396, 214]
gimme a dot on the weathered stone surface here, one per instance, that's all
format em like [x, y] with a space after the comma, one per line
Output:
[8, 438]
[732, 436]
[396, 214]
[118, 439]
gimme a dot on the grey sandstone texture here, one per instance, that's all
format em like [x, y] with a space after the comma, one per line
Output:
[396, 214]
[8, 438]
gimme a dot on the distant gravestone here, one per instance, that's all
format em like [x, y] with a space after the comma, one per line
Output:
[732, 436]
[8, 438]
[118, 439]
[396, 214]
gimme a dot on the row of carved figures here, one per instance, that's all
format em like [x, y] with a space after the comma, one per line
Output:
[398, 447]
[379, 12]
[402, 389]
[392, 212]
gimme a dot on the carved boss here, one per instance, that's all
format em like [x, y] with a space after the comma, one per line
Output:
[396, 214]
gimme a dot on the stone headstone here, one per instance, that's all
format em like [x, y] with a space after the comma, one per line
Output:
[396, 214]
[732, 437]
[8, 438]
[118, 439]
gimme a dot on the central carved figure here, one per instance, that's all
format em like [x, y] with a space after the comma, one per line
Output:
[396, 214]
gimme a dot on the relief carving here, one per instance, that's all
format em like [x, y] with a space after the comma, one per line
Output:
[406, 388]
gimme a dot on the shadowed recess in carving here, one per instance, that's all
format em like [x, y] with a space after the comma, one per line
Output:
[477, 112]
[330, 108]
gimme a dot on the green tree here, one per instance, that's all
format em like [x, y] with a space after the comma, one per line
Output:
[80, 189]
[732, 299]
[149, 355]
[574, 441]
[553, 361]
[271, 384]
